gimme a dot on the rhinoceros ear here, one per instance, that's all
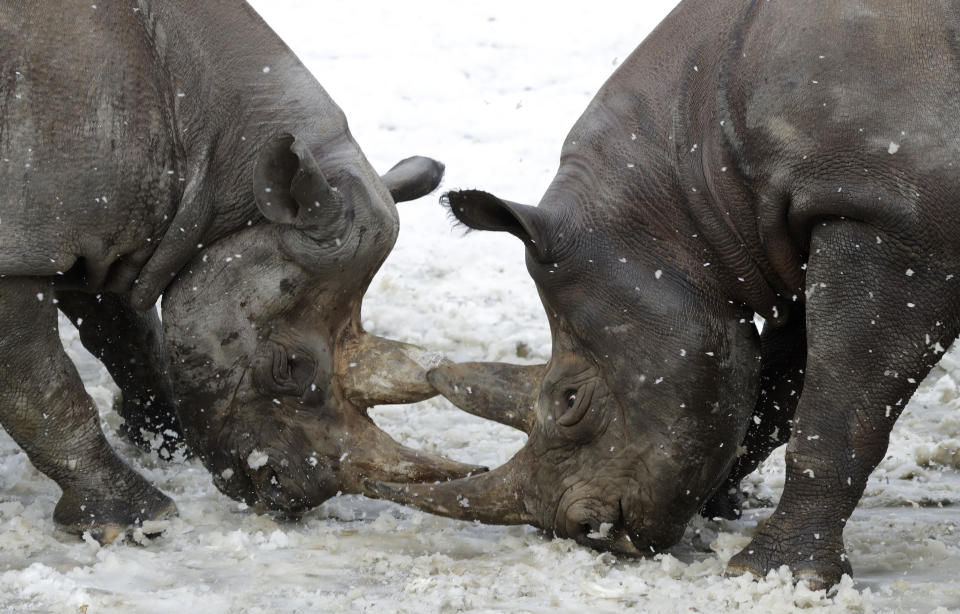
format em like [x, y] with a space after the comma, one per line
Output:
[412, 178]
[290, 187]
[483, 211]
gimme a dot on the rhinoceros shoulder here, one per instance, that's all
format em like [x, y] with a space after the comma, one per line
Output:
[87, 157]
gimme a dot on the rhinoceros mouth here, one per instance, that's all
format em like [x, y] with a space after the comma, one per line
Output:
[610, 535]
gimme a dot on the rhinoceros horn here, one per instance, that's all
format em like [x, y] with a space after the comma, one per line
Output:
[375, 371]
[496, 497]
[496, 391]
[375, 455]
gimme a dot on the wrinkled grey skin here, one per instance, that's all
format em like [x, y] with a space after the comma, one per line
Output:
[792, 159]
[180, 148]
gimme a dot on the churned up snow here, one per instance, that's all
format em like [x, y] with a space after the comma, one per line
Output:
[490, 88]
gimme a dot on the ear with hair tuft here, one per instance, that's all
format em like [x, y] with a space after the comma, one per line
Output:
[290, 187]
[411, 178]
[483, 211]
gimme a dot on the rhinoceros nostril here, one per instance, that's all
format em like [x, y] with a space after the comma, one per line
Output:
[313, 396]
[281, 487]
[601, 532]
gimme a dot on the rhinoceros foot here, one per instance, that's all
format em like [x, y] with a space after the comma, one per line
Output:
[817, 559]
[108, 519]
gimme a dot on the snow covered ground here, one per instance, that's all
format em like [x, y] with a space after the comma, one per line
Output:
[490, 88]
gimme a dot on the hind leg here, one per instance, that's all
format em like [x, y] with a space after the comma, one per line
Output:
[46, 410]
[130, 345]
[878, 316]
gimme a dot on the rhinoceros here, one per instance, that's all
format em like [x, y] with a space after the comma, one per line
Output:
[790, 159]
[180, 148]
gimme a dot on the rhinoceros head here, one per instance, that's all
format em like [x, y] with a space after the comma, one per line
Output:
[637, 416]
[273, 370]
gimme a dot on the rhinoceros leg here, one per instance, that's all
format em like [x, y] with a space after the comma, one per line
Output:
[878, 315]
[130, 345]
[44, 407]
[783, 351]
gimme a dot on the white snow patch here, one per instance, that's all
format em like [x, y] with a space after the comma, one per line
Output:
[257, 459]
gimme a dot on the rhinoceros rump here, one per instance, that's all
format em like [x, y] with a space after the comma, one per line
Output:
[792, 159]
[179, 148]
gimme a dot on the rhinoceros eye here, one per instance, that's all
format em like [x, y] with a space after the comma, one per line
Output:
[290, 373]
[281, 367]
[578, 402]
[301, 370]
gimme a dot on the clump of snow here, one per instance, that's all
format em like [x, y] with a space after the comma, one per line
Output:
[257, 459]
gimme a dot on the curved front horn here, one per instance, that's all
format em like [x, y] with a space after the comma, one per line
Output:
[373, 455]
[496, 391]
[497, 497]
[376, 371]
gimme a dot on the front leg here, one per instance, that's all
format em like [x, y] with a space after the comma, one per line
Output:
[129, 343]
[877, 316]
[46, 410]
[783, 357]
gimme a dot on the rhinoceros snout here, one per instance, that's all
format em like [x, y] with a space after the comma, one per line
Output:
[599, 524]
[277, 484]
[274, 478]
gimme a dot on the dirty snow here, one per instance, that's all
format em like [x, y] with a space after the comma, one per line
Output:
[489, 88]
